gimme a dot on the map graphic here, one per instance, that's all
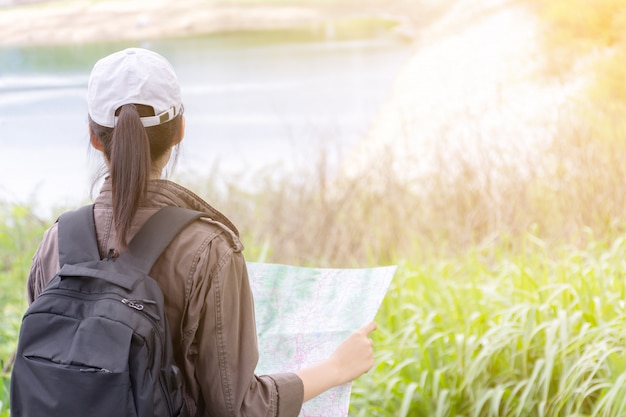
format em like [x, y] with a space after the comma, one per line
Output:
[303, 314]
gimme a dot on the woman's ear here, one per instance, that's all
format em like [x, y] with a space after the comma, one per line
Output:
[95, 141]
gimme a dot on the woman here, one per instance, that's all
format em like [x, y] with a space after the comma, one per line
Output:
[135, 120]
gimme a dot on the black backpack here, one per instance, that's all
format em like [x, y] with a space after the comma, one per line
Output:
[96, 341]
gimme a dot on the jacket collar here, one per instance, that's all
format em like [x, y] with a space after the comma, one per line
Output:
[167, 193]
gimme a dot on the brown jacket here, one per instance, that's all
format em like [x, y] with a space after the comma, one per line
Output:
[209, 305]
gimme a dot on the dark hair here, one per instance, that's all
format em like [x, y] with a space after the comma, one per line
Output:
[131, 149]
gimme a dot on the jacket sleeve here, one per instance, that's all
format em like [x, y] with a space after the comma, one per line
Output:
[45, 264]
[227, 351]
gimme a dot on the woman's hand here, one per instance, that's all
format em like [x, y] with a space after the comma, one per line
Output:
[353, 357]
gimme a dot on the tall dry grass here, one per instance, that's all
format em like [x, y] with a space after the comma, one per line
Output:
[567, 190]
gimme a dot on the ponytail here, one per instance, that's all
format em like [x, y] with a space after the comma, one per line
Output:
[130, 167]
[130, 149]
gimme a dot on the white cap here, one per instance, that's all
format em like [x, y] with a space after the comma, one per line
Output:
[133, 76]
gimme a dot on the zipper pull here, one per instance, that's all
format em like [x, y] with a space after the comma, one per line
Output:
[139, 305]
[133, 304]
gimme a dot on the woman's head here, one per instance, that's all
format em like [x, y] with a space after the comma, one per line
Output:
[135, 118]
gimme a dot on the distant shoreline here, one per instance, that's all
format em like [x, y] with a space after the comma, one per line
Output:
[80, 21]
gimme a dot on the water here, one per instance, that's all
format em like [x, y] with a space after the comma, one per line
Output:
[249, 103]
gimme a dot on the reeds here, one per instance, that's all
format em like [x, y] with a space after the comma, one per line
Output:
[565, 191]
[527, 335]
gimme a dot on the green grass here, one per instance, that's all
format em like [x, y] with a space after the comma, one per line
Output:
[20, 232]
[526, 334]
[4, 395]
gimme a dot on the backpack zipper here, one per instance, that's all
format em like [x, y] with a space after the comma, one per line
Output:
[80, 368]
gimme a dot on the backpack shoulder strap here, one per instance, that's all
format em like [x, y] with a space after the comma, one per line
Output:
[156, 235]
[77, 236]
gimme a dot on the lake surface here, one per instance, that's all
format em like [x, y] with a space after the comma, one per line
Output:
[250, 102]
